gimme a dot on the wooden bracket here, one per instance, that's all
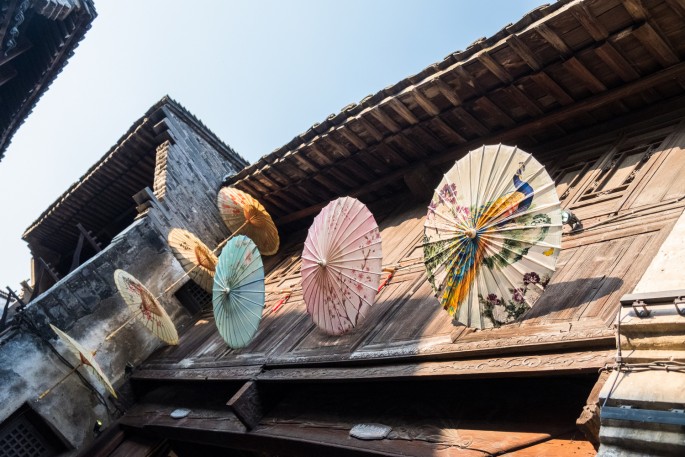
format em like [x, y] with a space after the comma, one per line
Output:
[421, 181]
[247, 405]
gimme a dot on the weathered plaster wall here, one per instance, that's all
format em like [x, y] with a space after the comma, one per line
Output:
[665, 272]
[87, 305]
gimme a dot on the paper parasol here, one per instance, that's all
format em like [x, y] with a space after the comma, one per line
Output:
[195, 257]
[145, 307]
[85, 358]
[243, 214]
[238, 296]
[341, 265]
[492, 235]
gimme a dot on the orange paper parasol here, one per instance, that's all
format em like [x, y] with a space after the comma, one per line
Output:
[197, 259]
[85, 358]
[243, 214]
[145, 307]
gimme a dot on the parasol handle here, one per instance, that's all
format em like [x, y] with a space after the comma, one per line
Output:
[44, 394]
[111, 335]
[222, 244]
[281, 302]
[391, 272]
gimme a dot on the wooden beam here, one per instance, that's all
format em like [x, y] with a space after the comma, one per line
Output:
[7, 73]
[423, 101]
[446, 91]
[468, 79]
[404, 112]
[350, 136]
[635, 9]
[547, 83]
[534, 125]
[446, 130]
[523, 100]
[678, 7]
[15, 52]
[524, 52]
[470, 121]
[657, 46]
[580, 71]
[589, 22]
[386, 121]
[505, 366]
[495, 111]
[553, 39]
[370, 129]
[495, 68]
[618, 64]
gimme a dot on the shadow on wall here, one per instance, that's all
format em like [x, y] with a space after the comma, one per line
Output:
[573, 296]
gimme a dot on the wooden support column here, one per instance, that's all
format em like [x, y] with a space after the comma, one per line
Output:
[247, 405]
[588, 422]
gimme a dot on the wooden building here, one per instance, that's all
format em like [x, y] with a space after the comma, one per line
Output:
[36, 40]
[596, 91]
[163, 172]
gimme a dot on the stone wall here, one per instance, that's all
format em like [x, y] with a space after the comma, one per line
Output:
[87, 305]
[194, 172]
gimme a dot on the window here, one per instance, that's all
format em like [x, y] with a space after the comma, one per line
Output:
[601, 177]
[193, 297]
[26, 434]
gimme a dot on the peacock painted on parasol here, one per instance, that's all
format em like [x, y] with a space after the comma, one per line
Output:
[492, 235]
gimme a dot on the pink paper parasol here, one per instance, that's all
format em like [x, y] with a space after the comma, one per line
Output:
[341, 265]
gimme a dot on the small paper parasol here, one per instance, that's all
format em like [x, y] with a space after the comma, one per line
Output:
[197, 259]
[145, 307]
[85, 358]
[492, 235]
[243, 214]
[341, 265]
[238, 296]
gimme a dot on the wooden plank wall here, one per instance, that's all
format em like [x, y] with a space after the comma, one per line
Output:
[622, 184]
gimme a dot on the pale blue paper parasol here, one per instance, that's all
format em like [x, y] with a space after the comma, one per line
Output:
[238, 293]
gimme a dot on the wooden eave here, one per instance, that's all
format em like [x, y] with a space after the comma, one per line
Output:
[35, 44]
[560, 69]
[105, 191]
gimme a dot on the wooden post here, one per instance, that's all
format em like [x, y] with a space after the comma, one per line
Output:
[247, 405]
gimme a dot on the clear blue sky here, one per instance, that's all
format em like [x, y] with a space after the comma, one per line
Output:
[255, 72]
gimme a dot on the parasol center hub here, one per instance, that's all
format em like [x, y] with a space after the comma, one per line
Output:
[322, 263]
[471, 233]
[227, 290]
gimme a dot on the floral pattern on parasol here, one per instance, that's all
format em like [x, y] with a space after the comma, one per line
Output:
[198, 261]
[492, 235]
[244, 214]
[341, 265]
[145, 307]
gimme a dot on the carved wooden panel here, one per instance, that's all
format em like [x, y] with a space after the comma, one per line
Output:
[597, 180]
